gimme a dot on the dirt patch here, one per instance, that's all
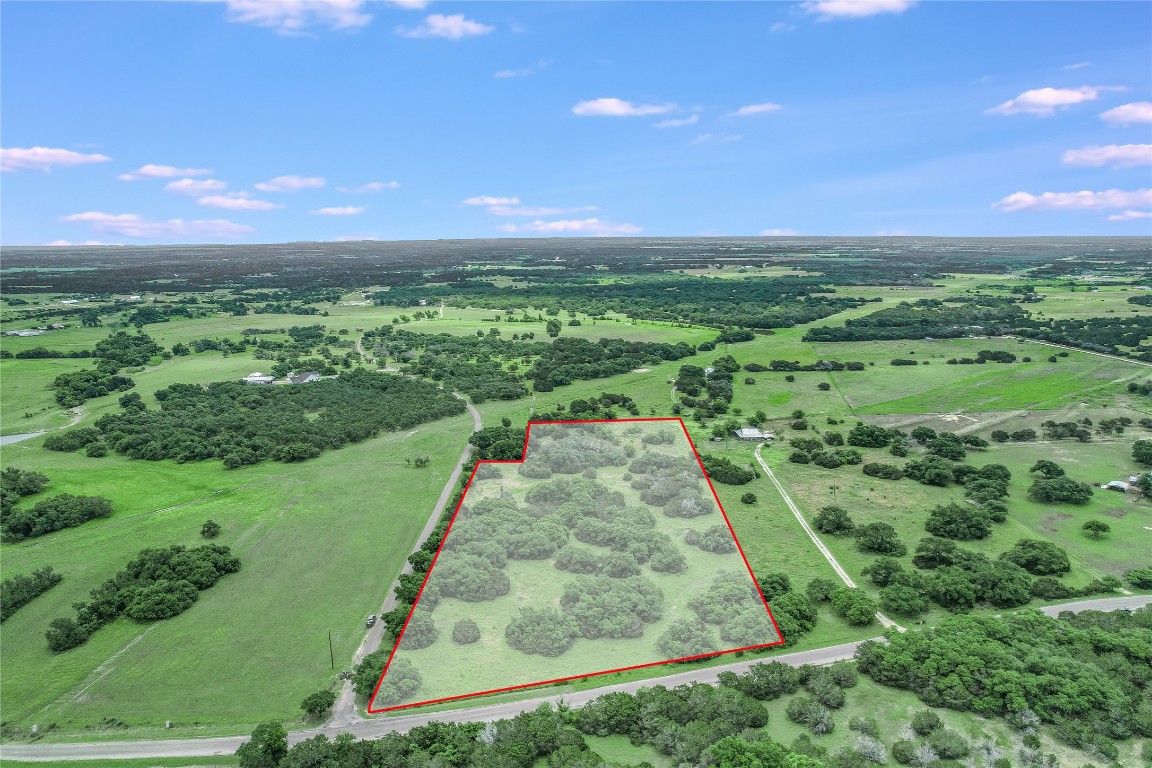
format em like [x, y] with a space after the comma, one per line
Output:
[1115, 512]
[1054, 518]
[641, 370]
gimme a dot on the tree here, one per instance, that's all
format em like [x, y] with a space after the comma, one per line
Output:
[854, 605]
[266, 748]
[90, 318]
[952, 521]
[882, 569]
[210, 530]
[1040, 558]
[553, 328]
[834, 521]
[63, 634]
[1060, 490]
[1047, 468]
[748, 498]
[465, 632]
[1142, 452]
[880, 538]
[316, 704]
[1096, 528]
[869, 436]
[1140, 578]
[774, 584]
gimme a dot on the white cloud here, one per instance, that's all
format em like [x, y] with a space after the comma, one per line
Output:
[489, 200]
[195, 186]
[237, 201]
[44, 158]
[1043, 102]
[1085, 200]
[82, 242]
[1077, 65]
[854, 9]
[778, 232]
[782, 26]
[525, 72]
[133, 225]
[1130, 216]
[756, 109]
[372, 186]
[1114, 155]
[619, 108]
[1129, 114]
[677, 122]
[504, 210]
[161, 172]
[716, 138]
[347, 210]
[409, 5]
[294, 17]
[573, 226]
[290, 183]
[454, 27]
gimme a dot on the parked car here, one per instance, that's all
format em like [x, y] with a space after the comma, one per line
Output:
[371, 621]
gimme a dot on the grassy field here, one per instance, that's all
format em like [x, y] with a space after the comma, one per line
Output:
[320, 545]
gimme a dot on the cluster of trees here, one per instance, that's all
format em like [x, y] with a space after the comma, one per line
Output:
[592, 409]
[1105, 334]
[722, 470]
[1141, 387]
[809, 450]
[983, 356]
[570, 449]
[983, 315]
[1060, 490]
[53, 514]
[243, 425]
[17, 591]
[796, 365]
[1018, 436]
[158, 584]
[74, 388]
[567, 360]
[731, 604]
[709, 392]
[15, 484]
[1086, 674]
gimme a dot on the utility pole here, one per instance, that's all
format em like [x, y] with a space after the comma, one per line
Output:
[331, 655]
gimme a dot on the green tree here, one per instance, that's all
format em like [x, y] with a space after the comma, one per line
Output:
[880, 538]
[1047, 468]
[1142, 452]
[1060, 490]
[553, 328]
[316, 704]
[210, 530]
[952, 521]
[834, 521]
[266, 748]
[1040, 558]
[1096, 528]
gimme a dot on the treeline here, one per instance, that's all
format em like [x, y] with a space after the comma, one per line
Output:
[989, 316]
[693, 724]
[982, 316]
[242, 425]
[159, 584]
[17, 591]
[1085, 674]
[15, 484]
[54, 514]
[749, 303]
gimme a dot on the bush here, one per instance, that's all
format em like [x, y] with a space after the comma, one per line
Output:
[885, 471]
[926, 722]
[18, 591]
[748, 498]
[1060, 490]
[465, 632]
[952, 521]
[160, 600]
[881, 539]
[724, 471]
[316, 704]
[421, 632]
[1040, 558]
[72, 440]
[834, 521]
[685, 638]
[543, 631]
[210, 530]
[1140, 578]
[854, 605]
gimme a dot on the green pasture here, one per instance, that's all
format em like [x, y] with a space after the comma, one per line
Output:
[320, 543]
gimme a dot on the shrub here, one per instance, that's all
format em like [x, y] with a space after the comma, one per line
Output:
[885, 471]
[1060, 490]
[465, 632]
[1140, 578]
[18, 591]
[926, 722]
[543, 631]
[748, 498]
[880, 538]
[834, 521]
[54, 514]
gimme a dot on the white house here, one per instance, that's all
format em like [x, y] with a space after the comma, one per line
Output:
[303, 378]
[256, 377]
[751, 433]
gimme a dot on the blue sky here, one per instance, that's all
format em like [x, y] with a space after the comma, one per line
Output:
[257, 121]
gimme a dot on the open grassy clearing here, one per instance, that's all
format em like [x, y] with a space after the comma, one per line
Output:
[320, 542]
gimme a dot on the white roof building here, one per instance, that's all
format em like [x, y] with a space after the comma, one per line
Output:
[256, 377]
[751, 433]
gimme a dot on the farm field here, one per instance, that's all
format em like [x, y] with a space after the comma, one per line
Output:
[320, 544]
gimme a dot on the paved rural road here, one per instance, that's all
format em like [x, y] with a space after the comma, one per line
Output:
[884, 620]
[344, 711]
[368, 729]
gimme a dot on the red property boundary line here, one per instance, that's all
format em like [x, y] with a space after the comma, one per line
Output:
[523, 458]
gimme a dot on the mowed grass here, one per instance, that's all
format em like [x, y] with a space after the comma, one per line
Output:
[320, 543]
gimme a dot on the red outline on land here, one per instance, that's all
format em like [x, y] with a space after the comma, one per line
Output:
[448, 530]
